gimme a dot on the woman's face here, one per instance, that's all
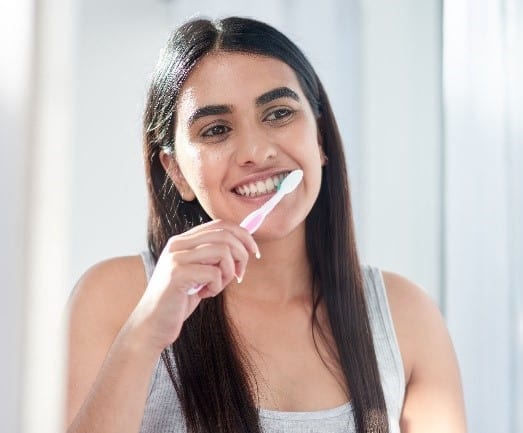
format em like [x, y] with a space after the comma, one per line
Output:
[243, 122]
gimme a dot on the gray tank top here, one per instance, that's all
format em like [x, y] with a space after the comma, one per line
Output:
[163, 413]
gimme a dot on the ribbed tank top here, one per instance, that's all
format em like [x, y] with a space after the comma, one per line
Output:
[163, 413]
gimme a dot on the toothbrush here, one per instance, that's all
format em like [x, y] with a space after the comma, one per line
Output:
[254, 220]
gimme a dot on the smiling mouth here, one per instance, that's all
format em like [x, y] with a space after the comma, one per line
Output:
[261, 187]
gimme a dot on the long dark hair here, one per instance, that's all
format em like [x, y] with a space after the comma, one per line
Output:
[207, 366]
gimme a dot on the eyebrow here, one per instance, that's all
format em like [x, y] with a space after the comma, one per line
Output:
[208, 110]
[271, 95]
[280, 92]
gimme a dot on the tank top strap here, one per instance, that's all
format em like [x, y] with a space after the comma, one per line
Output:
[386, 345]
[148, 263]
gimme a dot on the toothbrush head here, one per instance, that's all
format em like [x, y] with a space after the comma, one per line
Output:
[291, 181]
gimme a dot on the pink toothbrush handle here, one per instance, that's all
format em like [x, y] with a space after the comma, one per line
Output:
[194, 290]
[253, 221]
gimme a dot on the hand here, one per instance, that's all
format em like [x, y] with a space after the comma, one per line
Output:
[211, 254]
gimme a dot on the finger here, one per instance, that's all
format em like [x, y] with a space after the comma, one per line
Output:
[206, 293]
[189, 276]
[234, 263]
[218, 235]
[239, 232]
[244, 236]
[209, 254]
[191, 239]
[214, 286]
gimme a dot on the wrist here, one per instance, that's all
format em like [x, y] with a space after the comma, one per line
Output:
[138, 339]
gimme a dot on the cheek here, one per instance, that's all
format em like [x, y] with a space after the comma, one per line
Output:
[202, 169]
[192, 166]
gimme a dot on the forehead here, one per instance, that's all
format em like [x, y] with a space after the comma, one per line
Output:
[234, 78]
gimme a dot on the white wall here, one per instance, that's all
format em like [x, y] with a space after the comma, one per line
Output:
[35, 122]
[16, 34]
[402, 139]
[118, 43]
[483, 66]
[46, 262]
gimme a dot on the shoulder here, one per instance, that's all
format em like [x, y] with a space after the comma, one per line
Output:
[417, 318]
[108, 291]
[408, 301]
[434, 395]
[101, 303]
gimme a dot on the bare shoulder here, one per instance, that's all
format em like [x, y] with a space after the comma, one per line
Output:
[407, 297]
[108, 291]
[101, 303]
[415, 315]
[434, 396]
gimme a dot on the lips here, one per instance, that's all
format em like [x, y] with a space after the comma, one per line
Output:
[260, 187]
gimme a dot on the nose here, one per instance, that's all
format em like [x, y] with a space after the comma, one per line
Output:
[254, 148]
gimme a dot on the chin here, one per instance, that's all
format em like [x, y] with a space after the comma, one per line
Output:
[279, 231]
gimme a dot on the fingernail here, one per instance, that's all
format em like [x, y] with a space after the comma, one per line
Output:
[239, 279]
[258, 255]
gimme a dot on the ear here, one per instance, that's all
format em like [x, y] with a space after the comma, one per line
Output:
[172, 169]
[324, 159]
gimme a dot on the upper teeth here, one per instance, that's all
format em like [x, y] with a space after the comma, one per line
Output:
[260, 187]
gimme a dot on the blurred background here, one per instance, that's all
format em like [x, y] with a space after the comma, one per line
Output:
[429, 98]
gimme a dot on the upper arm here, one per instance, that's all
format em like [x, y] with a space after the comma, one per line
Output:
[434, 396]
[101, 302]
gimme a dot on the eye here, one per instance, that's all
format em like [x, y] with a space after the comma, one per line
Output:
[216, 130]
[279, 114]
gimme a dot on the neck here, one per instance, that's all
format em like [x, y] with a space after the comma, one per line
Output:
[281, 275]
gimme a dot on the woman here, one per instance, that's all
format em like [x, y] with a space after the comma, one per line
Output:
[303, 339]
